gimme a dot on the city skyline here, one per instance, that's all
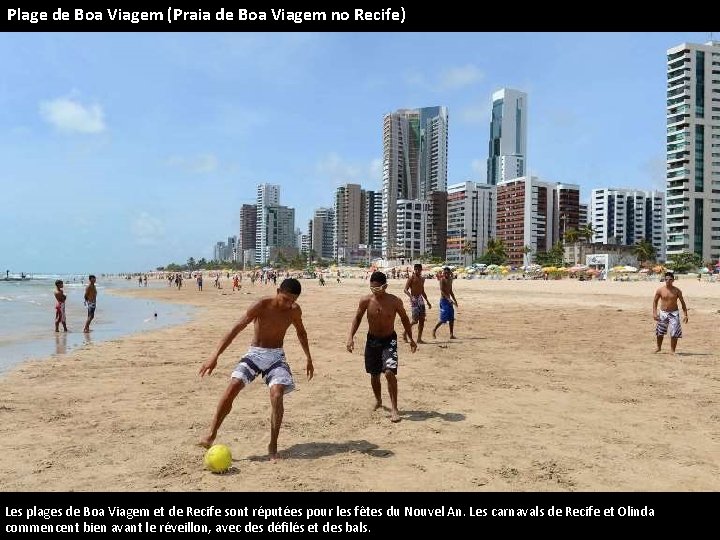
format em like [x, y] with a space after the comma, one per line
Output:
[124, 152]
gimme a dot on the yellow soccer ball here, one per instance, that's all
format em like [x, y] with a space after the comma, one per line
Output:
[218, 458]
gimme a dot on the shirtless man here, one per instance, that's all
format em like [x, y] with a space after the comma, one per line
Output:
[272, 316]
[669, 315]
[381, 347]
[447, 299]
[90, 302]
[415, 289]
[60, 306]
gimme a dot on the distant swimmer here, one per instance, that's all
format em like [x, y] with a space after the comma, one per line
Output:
[90, 302]
[60, 298]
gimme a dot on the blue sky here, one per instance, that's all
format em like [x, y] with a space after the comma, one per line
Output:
[126, 151]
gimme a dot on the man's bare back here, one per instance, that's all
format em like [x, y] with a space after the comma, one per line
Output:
[90, 293]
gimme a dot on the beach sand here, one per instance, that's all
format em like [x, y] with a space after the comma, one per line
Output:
[551, 386]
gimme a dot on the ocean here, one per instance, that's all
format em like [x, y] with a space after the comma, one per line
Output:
[27, 315]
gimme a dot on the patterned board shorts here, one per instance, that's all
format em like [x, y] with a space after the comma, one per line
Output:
[671, 320]
[417, 308]
[270, 363]
[381, 354]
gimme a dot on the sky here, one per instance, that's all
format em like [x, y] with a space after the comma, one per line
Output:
[122, 152]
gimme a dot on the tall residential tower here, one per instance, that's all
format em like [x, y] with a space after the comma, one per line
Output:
[693, 150]
[414, 166]
[507, 155]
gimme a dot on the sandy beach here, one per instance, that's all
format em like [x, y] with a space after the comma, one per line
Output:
[551, 386]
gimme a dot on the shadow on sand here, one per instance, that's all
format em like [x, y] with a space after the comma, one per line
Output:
[321, 449]
[417, 416]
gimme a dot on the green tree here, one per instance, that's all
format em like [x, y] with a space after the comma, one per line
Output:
[682, 262]
[644, 251]
[554, 257]
[191, 263]
[572, 236]
[587, 232]
[495, 252]
[467, 250]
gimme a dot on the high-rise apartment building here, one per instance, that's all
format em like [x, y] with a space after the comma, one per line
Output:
[348, 219]
[626, 216]
[470, 221]
[693, 150]
[268, 195]
[323, 232]
[371, 226]
[534, 213]
[507, 155]
[248, 228]
[414, 164]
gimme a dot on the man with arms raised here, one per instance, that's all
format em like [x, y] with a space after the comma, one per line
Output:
[381, 347]
[271, 316]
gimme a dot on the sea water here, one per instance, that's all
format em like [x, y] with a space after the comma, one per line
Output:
[27, 316]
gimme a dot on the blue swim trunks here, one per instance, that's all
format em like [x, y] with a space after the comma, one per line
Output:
[447, 311]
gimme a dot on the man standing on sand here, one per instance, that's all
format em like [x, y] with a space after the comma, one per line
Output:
[447, 299]
[415, 289]
[90, 302]
[381, 346]
[669, 315]
[60, 306]
[272, 316]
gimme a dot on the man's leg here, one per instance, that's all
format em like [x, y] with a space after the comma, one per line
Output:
[673, 344]
[393, 391]
[375, 383]
[438, 325]
[421, 325]
[405, 334]
[659, 340]
[277, 391]
[223, 408]
[452, 326]
[91, 316]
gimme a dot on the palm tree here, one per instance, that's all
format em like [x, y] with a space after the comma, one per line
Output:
[587, 232]
[644, 251]
[467, 249]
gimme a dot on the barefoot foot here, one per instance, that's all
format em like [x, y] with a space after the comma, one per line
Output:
[378, 405]
[206, 442]
[656, 351]
[395, 416]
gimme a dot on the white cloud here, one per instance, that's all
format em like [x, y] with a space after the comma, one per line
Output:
[338, 170]
[200, 164]
[475, 114]
[376, 167]
[71, 116]
[479, 167]
[147, 230]
[460, 77]
[449, 79]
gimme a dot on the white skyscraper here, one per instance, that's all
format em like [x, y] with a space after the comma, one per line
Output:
[507, 155]
[415, 145]
[693, 150]
[626, 216]
[268, 195]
